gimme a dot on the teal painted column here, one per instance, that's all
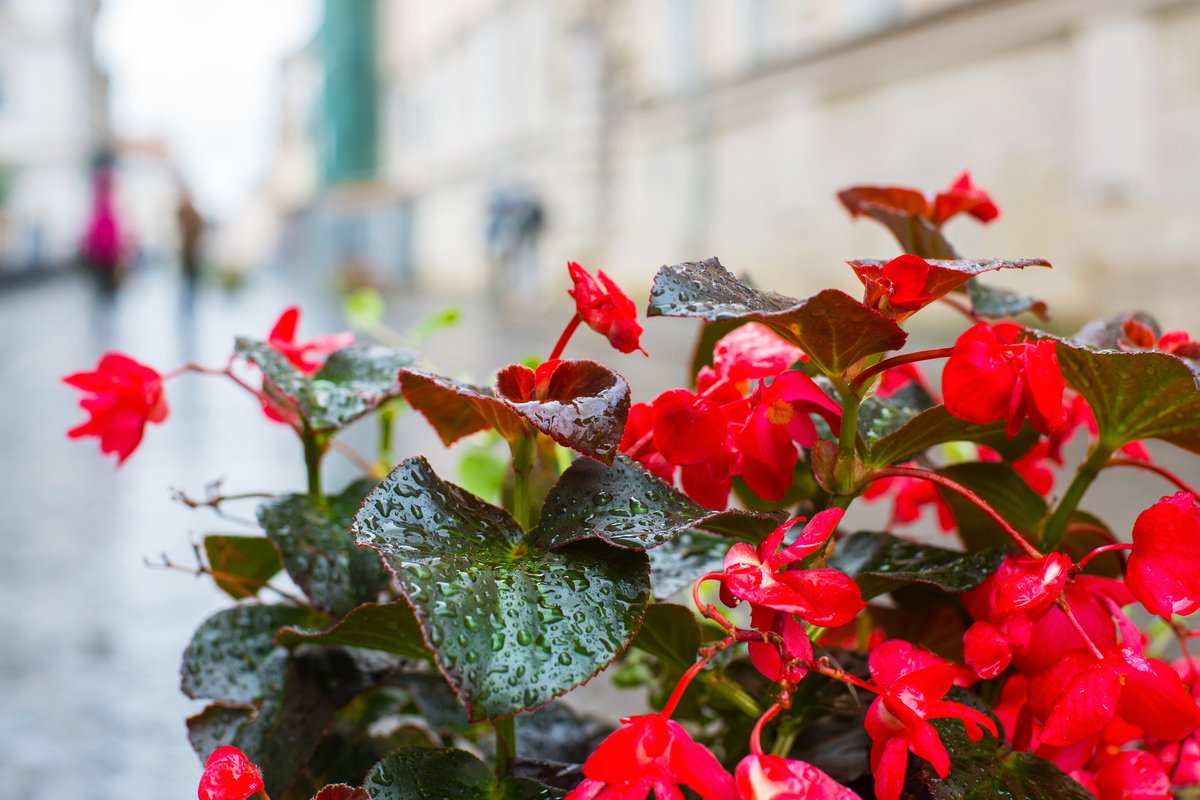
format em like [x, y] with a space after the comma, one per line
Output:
[348, 130]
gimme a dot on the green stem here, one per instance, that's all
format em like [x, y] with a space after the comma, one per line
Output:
[848, 438]
[784, 739]
[314, 450]
[506, 745]
[732, 692]
[522, 463]
[387, 416]
[1056, 526]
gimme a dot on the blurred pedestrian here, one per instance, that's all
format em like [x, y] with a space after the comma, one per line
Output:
[191, 231]
[103, 244]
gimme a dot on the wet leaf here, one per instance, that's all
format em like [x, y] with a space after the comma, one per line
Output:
[993, 302]
[832, 327]
[233, 655]
[557, 733]
[584, 409]
[387, 627]
[627, 506]
[674, 566]
[427, 773]
[513, 625]
[880, 562]
[946, 275]
[881, 416]
[318, 549]
[1004, 490]
[241, 564]
[985, 770]
[1142, 395]
[670, 633]
[352, 382]
[938, 426]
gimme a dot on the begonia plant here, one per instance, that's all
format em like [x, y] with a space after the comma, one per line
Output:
[402, 638]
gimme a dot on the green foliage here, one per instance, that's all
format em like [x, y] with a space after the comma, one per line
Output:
[241, 565]
[881, 562]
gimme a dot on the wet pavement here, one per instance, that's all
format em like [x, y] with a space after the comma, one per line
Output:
[90, 637]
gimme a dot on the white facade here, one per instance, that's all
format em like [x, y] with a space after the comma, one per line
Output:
[52, 119]
[668, 130]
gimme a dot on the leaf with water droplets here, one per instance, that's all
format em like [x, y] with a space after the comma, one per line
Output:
[670, 633]
[318, 549]
[994, 302]
[352, 382]
[583, 405]
[675, 565]
[1140, 395]
[833, 328]
[428, 773]
[233, 655]
[881, 562]
[241, 565]
[512, 625]
[387, 627]
[880, 416]
[936, 426]
[987, 769]
[626, 506]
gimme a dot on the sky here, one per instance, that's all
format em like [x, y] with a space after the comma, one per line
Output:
[201, 75]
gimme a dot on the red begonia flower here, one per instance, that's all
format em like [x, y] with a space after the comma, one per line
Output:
[229, 775]
[1137, 335]
[992, 376]
[909, 497]
[1025, 586]
[606, 309]
[1163, 572]
[761, 777]
[963, 197]
[121, 396]
[898, 720]
[767, 658]
[900, 287]
[779, 421]
[688, 428]
[752, 352]
[638, 442]
[283, 338]
[652, 752]
[988, 648]
[1132, 775]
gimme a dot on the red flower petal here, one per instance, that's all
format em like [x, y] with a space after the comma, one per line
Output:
[761, 777]
[229, 775]
[1164, 567]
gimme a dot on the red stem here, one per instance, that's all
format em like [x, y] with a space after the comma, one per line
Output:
[1075, 623]
[1181, 635]
[756, 734]
[1155, 468]
[708, 609]
[896, 361]
[1108, 548]
[707, 655]
[567, 333]
[979, 502]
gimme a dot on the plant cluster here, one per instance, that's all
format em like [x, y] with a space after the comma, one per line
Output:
[691, 546]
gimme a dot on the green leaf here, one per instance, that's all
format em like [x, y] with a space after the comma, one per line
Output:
[555, 733]
[985, 770]
[481, 470]
[1086, 532]
[1003, 489]
[994, 302]
[388, 627]
[513, 625]
[880, 562]
[233, 655]
[340, 791]
[670, 633]
[318, 549]
[938, 426]
[627, 506]
[832, 327]
[584, 407]
[674, 566]
[445, 319]
[353, 381]
[364, 308]
[881, 416]
[1142, 395]
[427, 773]
[241, 564]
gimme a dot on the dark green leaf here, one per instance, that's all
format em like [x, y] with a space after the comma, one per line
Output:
[674, 566]
[584, 407]
[915, 234]
[426, 773]
[993, 302]
[1004, 490]
[318, 549]
[938, 426]
[233, 655]
[1143, 395]
[670, 633]
[879, 562]
[241, 565]
[341, 791]
[556, 733]
[513, 625]
[881, 416]
[985, 770]
[627, 506]
[352, 382]
[832, 327]
[387, 627]
[1086, 532]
